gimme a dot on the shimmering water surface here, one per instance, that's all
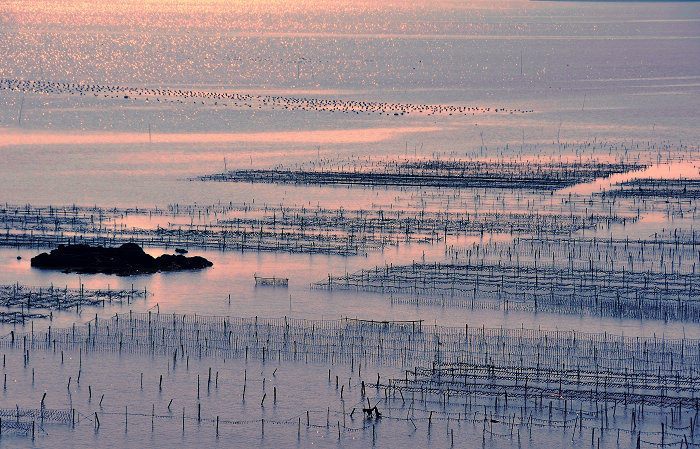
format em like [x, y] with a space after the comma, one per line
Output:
[124, 104]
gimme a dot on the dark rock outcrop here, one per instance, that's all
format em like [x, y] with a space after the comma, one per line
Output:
[168, 262]
[125, 260]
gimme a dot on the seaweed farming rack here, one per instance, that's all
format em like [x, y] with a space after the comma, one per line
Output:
[271, 281]
[662, 188]
[300, 230]
[513, 380]
[28, 422]
[666, 296]
[405, 344]
[676, 253]
[459, 174]
[41, 299]
[393, 343]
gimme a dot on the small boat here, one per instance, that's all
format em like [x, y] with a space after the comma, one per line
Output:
[271, 281]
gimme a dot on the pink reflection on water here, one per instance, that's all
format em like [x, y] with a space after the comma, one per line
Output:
[334, 136]
[181, 157]
[126, 172]
[654, 217]
[676, 170]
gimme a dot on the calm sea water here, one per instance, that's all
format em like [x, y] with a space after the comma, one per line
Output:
[587, 71]
[625, 73]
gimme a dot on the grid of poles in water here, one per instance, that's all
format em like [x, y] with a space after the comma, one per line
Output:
[488, 383]
[435, 173]
[658, 254]
[554, 255]
[381, 342]
[666, 188]
[620, 294]
[286, 229]
[20, 300]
